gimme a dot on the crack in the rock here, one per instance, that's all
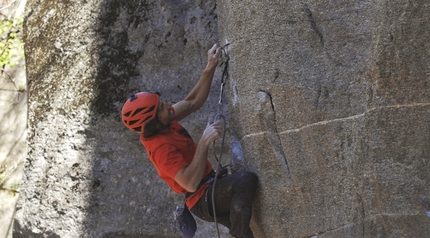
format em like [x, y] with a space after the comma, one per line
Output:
[317, 29]
[273, 135]
[313, 23]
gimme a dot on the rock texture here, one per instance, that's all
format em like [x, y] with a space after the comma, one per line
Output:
[331, 100]
[86, 175]
[328, 100]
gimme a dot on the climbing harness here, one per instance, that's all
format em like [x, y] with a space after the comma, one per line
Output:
[217, 116]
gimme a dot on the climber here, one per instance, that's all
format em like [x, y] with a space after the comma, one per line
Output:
[182, 163]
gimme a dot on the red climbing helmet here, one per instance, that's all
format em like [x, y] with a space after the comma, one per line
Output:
[138, 110]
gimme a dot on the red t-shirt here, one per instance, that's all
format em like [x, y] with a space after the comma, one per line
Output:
[171, 151]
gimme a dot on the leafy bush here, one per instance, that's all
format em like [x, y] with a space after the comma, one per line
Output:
[11, 42]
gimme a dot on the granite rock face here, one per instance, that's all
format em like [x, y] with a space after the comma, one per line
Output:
[327, 101]
[86, 174]
[331, 100]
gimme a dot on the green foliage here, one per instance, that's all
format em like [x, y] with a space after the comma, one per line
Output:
[11, 42]
[14, 188]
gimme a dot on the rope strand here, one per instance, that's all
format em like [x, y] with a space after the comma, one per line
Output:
[220, 104]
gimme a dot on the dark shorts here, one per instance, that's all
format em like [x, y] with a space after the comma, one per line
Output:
[233, 203]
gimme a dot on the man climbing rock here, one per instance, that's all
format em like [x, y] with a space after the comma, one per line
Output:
[182, 163]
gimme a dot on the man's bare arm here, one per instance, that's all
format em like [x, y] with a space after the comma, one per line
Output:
[190, 176]
[200, 92]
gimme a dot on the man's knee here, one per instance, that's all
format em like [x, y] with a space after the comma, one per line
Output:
[249, 179]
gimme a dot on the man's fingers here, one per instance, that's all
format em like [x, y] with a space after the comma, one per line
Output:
[218, 125]
[215, 50]
[218, 51]
[212, 50]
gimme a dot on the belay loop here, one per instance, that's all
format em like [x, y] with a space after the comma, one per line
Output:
[217, 117]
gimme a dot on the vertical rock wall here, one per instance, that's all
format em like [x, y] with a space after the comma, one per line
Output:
[86, 175]
[330, 101]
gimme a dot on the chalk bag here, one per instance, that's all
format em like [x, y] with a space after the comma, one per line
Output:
[185, 221]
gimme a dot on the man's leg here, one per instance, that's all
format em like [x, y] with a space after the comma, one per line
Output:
[203, 210]
[233, 198]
